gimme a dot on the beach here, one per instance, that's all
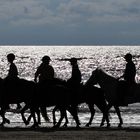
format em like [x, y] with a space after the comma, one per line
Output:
[108, 58]
[93, 133]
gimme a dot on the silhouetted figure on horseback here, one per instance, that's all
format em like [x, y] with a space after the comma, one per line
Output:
[13, 72]
[12, 79]
[125, 87]
[45, 72]
[52, 89]
[75, 80]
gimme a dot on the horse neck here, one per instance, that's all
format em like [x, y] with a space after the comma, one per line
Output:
[106, 80]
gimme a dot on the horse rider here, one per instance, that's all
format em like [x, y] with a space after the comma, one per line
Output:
[75, 80]
[45, 71]
[13, 72]
[130, 70]
[129, 75]
[12, 77]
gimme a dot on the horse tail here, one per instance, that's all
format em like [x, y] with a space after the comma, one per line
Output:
[44, 114]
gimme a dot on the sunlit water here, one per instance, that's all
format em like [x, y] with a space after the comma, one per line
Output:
[110, 58]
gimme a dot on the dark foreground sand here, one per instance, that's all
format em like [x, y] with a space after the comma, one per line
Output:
[94, 133]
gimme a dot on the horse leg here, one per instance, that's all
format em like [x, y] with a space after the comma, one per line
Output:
[44, 113]
[73, 111]
[66, 122]
[34, 118]
[92, 111]
[23, 117]
[119, 115]
[19, 106]
[54, 118]
[30, 116]
[29, 119]
[63, 114]
[105, 115]
[53, 113]
[103, 118]
[104, 110]
[5, 120]
[38, 116]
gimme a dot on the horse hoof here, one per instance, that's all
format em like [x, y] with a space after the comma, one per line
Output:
[79, 123]
[34, 126]
[87, 125]
[26, 123]
[108, 125]
[77, 126]
[65, 126]
[102, 124]
[120, 126]
[1, 125]
[55, 126]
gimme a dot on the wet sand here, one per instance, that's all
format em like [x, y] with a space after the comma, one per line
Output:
[71, 133]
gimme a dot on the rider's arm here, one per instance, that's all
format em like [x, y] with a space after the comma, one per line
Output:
[37, 74]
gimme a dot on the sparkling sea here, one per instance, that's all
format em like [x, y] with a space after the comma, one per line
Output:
[109, 58]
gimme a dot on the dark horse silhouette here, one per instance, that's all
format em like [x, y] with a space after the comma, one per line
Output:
[90, 95]
[38, 96]
[52, 95]
[110, 84]
[33, 96]
[13, 92]
[84, 94]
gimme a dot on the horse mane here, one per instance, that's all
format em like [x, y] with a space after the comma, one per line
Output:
[101, 69]
[105, 73]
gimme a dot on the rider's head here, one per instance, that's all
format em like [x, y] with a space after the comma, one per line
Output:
[73, 61]
[10, 57]
[46, 59]
[128, 57]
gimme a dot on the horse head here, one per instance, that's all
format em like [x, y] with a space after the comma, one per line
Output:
[93, 80]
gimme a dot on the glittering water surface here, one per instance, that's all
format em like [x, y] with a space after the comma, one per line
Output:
[110, 58]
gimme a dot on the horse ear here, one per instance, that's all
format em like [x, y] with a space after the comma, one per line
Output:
[98, 68]
[94, 71]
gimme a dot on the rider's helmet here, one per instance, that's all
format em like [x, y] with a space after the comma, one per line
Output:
[73, 60]
[128, 56]
[10, 57]
[46, 58]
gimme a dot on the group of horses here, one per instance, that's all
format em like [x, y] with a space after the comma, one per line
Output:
[37, 97]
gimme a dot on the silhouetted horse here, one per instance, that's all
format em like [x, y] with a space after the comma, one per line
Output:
[38, 96]
[68, 99]
[35, 96]
[13, 92]
[90, 95]
[110, 86]
[53, 95]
